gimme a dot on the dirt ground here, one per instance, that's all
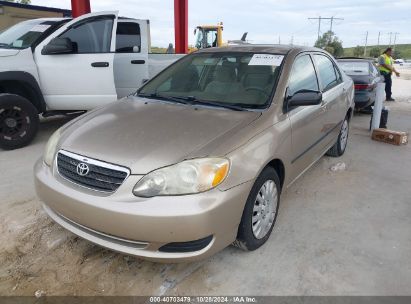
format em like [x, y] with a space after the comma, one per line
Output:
[338, 233]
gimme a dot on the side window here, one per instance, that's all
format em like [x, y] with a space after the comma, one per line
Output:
[302, 76]
[338, 74]
[128, 37]
[327, 72]
[93, 36]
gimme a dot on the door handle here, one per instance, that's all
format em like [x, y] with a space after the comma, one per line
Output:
[138, 61]
[100, 64]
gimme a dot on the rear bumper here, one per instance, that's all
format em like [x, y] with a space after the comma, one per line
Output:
[363, 99]
[140, 227]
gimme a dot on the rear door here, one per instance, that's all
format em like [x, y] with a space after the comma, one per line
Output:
[307, 123]
[85, 79]
[131, 56]
[332, 88]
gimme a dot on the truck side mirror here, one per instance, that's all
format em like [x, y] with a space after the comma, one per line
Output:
[59, 46]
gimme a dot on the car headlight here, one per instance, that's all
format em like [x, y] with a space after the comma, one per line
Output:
[187, 177]
[51, 146]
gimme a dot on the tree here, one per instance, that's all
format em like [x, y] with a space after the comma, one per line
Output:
[396, 54]
[375, 52]
[330, 42]
[358, 51]
[20, 1]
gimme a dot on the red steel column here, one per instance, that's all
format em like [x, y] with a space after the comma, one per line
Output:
[181, 26]
[80, 7]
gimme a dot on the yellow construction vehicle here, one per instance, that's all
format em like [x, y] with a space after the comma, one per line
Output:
[207, 36]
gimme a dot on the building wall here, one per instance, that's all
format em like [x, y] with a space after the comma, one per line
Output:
[12, 15]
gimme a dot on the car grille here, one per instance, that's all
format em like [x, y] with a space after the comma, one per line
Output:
[96, 175]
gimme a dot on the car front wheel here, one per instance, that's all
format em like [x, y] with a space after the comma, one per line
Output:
[260, 212]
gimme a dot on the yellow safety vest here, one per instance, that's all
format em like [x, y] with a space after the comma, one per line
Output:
[388, 61]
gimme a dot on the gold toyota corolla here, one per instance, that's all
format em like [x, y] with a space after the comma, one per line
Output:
[196, 159]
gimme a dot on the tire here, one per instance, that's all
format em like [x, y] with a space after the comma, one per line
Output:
[339, 147]
[19, 121]
[248, 237]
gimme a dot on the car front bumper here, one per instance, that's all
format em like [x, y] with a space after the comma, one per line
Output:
[142, 226]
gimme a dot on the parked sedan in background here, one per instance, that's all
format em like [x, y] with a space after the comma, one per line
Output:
[365, 76]
[198, 157]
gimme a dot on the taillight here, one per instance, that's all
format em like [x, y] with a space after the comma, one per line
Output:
[362, 87]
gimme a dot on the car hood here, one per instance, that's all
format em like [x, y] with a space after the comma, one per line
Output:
[8, 52]
[144, 135]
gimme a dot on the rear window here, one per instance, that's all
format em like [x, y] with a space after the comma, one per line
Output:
[355, 67]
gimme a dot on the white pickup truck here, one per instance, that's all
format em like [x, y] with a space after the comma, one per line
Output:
[54, 66]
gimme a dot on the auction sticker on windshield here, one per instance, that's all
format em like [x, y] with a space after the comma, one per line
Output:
[266, 59]
[40, 28]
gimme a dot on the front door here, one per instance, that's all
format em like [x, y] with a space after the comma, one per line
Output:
[307, 122]
[82, 80]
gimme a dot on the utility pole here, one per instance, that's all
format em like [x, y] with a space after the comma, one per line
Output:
[395, 40]
[390, 33]
[325, 18]
[279, 39]
[378, 43]
[292, 39]
[366, 41]
[319, 24]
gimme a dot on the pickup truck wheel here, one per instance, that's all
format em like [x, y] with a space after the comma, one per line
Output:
[19, 121]
[260, 212]
[339, 147]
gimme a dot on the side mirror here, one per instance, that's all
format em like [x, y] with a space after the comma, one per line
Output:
[304, 98]
[59, 46]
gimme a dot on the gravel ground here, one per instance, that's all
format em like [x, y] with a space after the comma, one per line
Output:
[338, 233]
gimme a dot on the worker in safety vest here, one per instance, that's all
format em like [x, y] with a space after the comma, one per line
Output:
[386, 67]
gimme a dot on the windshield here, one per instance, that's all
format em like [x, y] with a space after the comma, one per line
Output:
[360, 68]
[23, 34]
[241, 79]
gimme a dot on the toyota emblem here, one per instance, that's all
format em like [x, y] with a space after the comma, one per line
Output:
[82, 169]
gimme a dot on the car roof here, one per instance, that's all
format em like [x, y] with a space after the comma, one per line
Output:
[259, 48]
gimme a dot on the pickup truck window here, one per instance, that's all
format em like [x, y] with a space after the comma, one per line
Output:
[302, 76]
[222, 77]
[128, 37]
[93, 36]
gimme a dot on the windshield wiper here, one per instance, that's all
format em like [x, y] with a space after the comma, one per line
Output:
[234, 107]
[166, 98]
[192, 100]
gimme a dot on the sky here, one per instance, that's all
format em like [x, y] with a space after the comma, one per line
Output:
[270, 21]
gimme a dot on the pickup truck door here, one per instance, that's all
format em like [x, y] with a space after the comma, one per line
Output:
[131, 56]
[82, 80]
